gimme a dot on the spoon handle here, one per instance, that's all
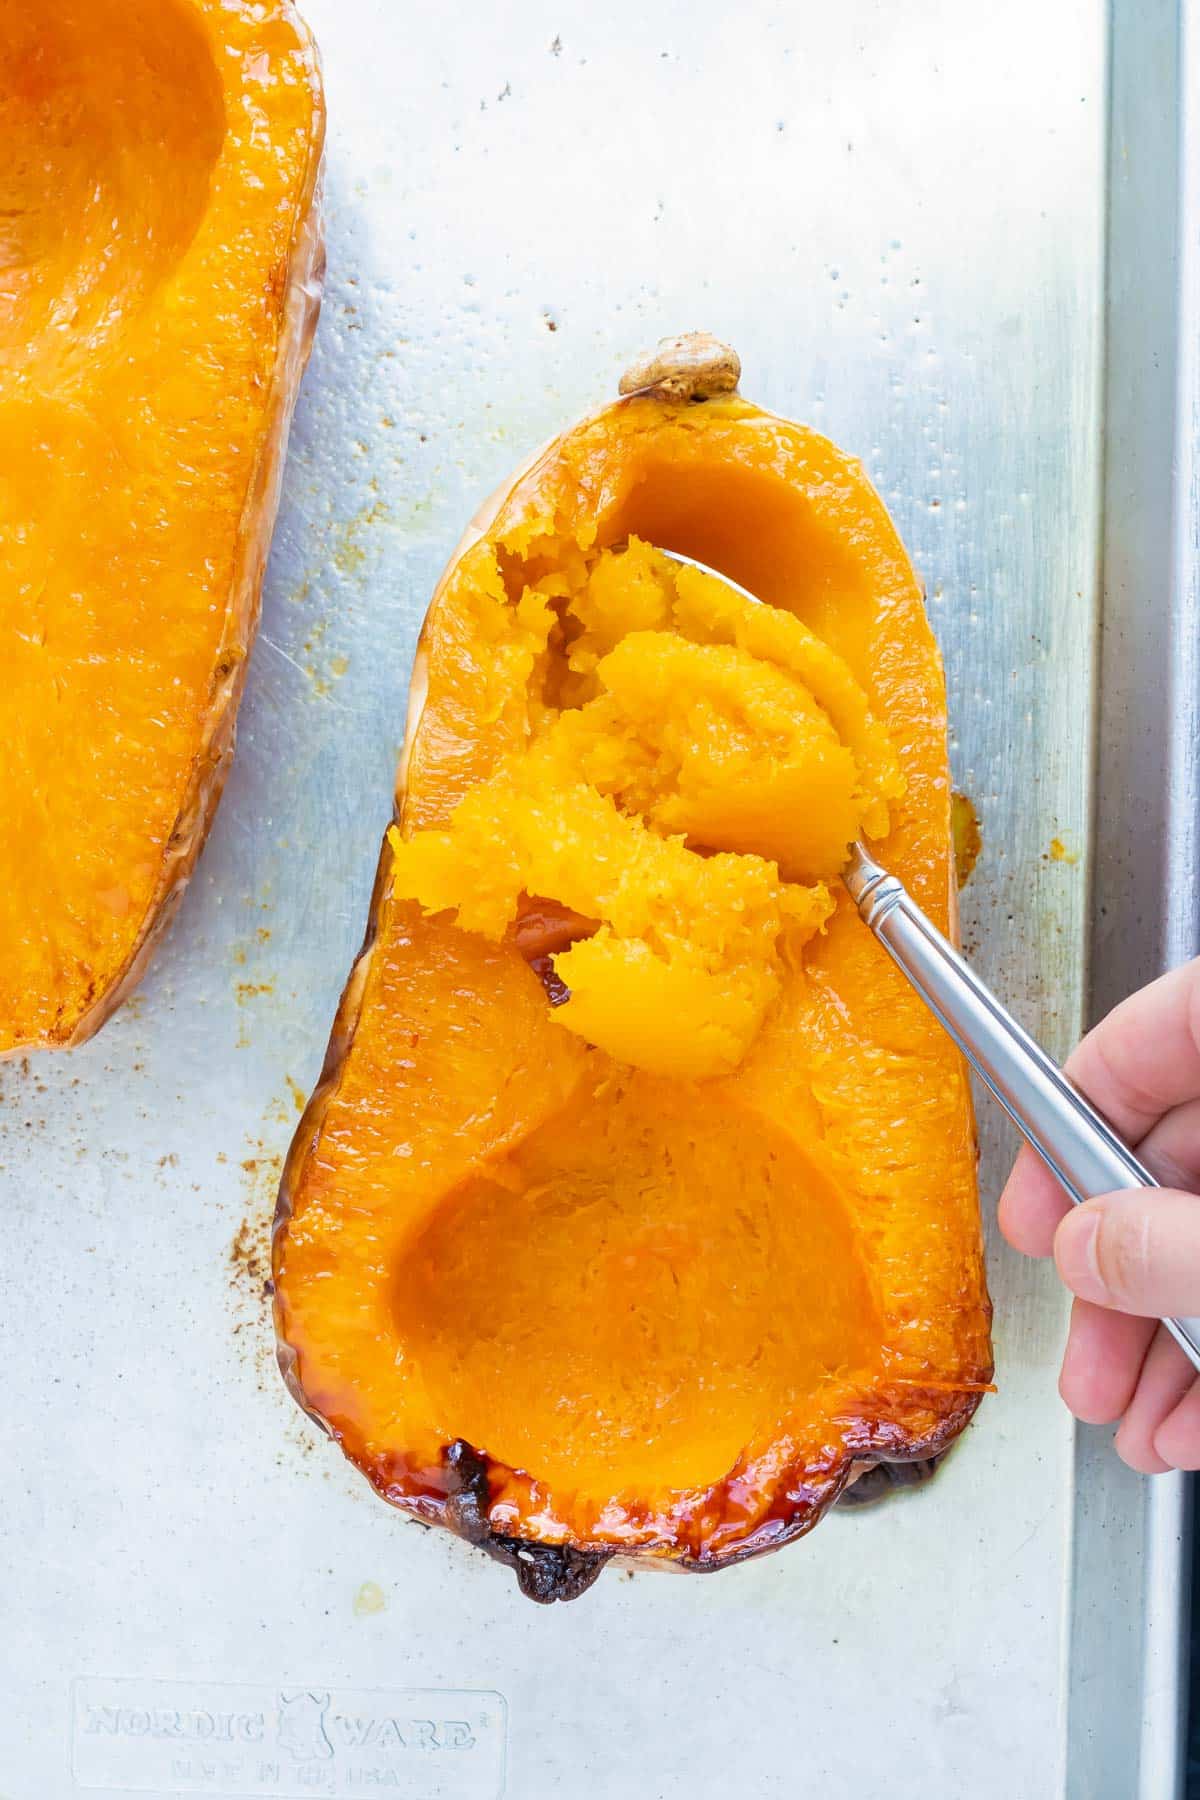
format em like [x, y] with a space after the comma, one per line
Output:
[1080, 1148]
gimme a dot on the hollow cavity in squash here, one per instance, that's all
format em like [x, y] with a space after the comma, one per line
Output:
[572, 1306]
[160, 261]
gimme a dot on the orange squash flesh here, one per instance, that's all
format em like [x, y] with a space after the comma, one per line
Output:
[160, 260]
[686, 788]
[569, 1306]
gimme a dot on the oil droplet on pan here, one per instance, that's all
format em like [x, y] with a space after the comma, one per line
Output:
[369, 1599]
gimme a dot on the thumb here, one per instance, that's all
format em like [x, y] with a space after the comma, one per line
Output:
[1136, 1253]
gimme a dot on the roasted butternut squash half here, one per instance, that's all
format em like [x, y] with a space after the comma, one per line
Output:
[160, 263]
[635, 1211]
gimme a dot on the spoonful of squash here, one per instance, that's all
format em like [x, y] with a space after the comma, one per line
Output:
[701, 766]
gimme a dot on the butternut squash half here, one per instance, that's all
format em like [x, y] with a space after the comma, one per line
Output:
[635, 1210]
[160, 266]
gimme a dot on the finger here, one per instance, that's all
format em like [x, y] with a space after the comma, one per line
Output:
[1165, 1379]
[1031, 1205]
[1102, 1361]
[1138, 1252]
[1171, 1149]
[1033, 1202]
[1177, 1440]
[1144, 1058]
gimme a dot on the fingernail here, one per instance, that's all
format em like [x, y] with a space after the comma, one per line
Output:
[1075, 1254]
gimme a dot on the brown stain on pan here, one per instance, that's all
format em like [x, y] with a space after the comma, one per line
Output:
[967, 836]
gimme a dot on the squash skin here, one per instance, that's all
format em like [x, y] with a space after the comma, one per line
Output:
[502, 1511]
[267, 68]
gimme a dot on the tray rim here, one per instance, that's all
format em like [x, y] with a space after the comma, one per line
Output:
[1144, 830]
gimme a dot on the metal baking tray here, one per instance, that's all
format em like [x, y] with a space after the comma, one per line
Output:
[914, 223]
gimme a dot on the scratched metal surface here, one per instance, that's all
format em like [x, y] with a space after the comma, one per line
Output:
[896, 213]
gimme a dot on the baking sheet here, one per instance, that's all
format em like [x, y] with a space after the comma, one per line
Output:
[897, 214]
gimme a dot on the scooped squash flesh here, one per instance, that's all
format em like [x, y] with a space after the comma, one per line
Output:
[661, 1277]
[678, 727]
[160, 260]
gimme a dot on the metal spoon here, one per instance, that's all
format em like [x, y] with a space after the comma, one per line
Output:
[1081, 1150]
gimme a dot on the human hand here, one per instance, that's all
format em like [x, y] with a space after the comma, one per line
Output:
[1130, 1259]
